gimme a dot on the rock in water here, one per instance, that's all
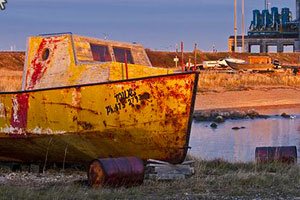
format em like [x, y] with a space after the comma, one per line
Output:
[284, 115]
[237, 115]
[213, 125]
[219, 119]
[252, 114]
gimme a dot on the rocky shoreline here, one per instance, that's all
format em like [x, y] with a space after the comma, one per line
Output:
[221, 116]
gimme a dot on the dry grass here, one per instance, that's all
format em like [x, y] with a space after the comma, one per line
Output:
[10, 80]
[209, 81]
[213, 180]
[12, 60]
[165, 59]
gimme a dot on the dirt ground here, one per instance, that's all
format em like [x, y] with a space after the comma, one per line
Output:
[252, 98]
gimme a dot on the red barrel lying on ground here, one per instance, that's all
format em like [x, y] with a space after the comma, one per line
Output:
[286, 155]
[116, 172]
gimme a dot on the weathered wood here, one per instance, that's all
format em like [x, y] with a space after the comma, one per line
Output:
[157, 161]
[99, 121]
[160, 170]
[188, 162]
[84, 53]
[165, 177]
[165, 170]
[63, 60]
[104, 118]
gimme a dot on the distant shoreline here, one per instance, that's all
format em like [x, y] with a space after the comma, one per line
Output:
[278, 106]
[262, 100]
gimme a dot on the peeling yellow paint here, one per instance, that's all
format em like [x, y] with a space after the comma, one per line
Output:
[60, 69]
[99, 114]
[148, 118]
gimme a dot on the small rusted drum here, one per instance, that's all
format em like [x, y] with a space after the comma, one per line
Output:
[286, 154]
[116, 172]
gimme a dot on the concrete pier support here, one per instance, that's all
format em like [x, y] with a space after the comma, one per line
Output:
[280, 48]
[297, 46]
[263, 48]
[264, 42]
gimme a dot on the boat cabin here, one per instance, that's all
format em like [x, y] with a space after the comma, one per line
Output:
[56, 60]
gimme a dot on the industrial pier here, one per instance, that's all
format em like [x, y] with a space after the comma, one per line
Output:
[271, 28]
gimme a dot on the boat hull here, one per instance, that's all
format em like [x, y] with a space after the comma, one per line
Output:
[146, 117]
[253, 67]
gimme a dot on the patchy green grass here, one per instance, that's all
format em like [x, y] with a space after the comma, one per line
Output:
[213, 180]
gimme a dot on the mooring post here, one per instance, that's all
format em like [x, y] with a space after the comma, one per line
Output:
[126, 66]
[195, 57]
[182, 59]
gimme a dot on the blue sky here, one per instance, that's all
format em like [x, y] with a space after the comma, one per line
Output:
[157, 24]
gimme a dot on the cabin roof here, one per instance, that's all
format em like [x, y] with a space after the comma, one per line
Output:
[133, 44]
[54, 60]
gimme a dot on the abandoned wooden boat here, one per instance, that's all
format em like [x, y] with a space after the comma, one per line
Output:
[77, 104]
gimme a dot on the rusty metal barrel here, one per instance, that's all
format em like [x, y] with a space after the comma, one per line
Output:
[116, 172]
[286, 154]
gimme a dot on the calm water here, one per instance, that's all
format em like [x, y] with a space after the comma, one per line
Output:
[239, 145]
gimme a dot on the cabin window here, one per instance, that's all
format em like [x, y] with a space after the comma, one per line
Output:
[45, 54]
[120, 55]
[100, 53]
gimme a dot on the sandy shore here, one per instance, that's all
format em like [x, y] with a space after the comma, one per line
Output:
[265, 97]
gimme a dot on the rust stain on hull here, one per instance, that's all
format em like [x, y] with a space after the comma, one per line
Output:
[147, 118]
